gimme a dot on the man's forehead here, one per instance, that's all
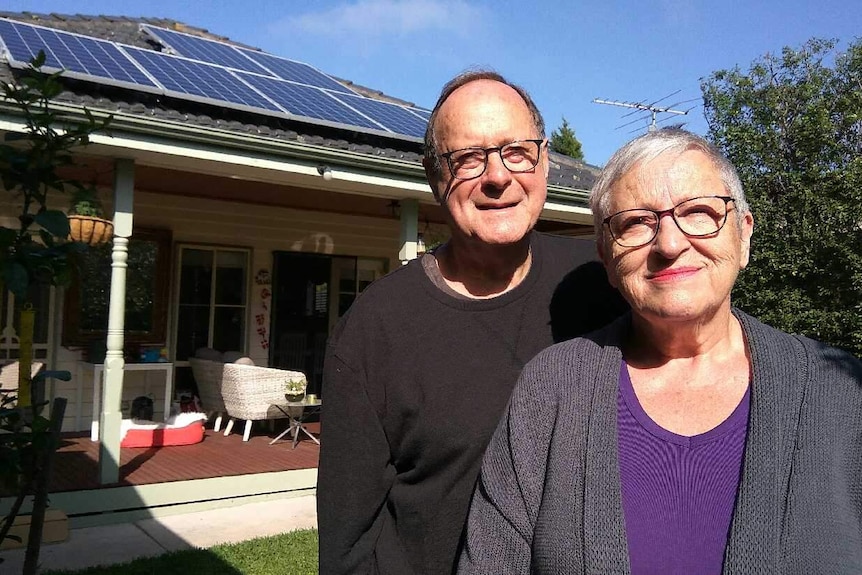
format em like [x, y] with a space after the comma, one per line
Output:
[482, 108]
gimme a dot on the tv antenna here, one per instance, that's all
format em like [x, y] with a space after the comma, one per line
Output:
[652, 108]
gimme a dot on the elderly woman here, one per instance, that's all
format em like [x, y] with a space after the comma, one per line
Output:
[686, 437]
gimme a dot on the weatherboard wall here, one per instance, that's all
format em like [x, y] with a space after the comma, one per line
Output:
[261, 228]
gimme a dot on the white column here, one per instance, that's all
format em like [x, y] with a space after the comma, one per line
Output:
[112, 381]
[409, 230]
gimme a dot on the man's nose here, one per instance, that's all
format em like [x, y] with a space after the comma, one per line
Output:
[496, 173]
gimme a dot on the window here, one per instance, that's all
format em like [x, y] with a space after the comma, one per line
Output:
[147, 280]
[212, 309]
[352, 276]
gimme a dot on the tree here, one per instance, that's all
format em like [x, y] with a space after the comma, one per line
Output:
[792, 126]
[37, 251]
[563, 141]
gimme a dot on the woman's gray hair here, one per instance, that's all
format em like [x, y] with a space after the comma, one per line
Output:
[650, 146]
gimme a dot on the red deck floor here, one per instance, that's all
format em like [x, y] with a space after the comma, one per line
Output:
[76, 465]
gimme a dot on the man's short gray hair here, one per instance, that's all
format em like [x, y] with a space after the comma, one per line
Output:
[650, 146]
[462, 79]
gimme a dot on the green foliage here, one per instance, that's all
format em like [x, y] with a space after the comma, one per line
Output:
[37, 251]
[792, 126]
[563, 141]
[293, 553]
[85, 201]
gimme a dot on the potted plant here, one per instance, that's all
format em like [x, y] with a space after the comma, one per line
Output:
[295, 389]
[86, 224]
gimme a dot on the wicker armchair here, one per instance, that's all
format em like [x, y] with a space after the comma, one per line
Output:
[252, 392]
[208, 376]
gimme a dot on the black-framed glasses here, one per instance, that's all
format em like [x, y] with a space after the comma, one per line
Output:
[695, 217]
[518, 156]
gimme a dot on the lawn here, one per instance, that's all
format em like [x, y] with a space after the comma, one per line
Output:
[292, 553]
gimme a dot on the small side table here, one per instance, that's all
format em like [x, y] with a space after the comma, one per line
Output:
[296, 412]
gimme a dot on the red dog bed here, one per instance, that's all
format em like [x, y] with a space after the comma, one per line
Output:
[183, 429]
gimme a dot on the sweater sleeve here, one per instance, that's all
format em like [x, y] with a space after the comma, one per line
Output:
[507, 497]
[354, 474]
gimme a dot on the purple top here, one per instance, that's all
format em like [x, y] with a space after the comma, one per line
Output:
[678, 492]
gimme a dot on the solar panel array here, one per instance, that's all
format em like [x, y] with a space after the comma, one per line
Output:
[212, 72]
[79, 56]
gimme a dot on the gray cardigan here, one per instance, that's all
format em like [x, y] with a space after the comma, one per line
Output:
[548, 498]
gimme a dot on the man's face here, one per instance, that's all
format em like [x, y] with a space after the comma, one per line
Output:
[499, 207]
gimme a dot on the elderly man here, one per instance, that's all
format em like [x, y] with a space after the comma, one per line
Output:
[419, 371]
[686, 437]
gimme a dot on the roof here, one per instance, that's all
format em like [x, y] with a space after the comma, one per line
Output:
[565, 172]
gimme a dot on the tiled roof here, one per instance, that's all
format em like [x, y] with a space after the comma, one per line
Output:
[565, 172]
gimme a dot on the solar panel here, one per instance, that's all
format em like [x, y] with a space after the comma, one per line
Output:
[222, 54]
[302, 91]
[308, 101]
[394, 117]
[78, 56]
[198, 81]
[295, 71]
[422, 112]
[202, 49]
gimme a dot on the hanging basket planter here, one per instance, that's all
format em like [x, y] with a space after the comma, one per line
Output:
[90, 230]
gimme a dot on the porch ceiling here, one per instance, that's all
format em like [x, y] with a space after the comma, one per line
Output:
[233, 188]
[248, 191]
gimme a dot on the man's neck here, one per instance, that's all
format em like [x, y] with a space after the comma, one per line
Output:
[479, 270]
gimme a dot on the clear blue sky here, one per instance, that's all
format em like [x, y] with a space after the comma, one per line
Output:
[566, 53]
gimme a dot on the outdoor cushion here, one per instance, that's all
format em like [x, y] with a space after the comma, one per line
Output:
[231, 356]
[180, 429]
[209, 353]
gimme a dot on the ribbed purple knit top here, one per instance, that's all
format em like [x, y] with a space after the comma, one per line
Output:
[678, 492]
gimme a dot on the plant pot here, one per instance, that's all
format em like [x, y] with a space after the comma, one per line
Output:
[90, 230]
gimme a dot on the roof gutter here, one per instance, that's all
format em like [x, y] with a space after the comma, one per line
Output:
[175, 145]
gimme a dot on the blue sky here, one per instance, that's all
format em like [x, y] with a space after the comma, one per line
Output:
[566, 53]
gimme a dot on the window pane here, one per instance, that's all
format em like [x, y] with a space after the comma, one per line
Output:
[229, 329]
[231, 277]
[95, 277]
[196, 277]
[192, 330]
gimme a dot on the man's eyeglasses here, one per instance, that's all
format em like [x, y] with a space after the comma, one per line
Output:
[518, 156]
[695, 217]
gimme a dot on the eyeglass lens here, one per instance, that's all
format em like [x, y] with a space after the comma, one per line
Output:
[469, 163]
[695, 217]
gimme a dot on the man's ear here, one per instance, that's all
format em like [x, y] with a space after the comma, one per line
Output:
[547, 159]
[432, 174]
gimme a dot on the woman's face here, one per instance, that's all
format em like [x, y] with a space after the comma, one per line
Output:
[675, 278]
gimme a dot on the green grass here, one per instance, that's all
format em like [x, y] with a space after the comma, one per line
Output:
[292, 553]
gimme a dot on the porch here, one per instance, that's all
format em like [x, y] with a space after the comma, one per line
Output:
[217, 472]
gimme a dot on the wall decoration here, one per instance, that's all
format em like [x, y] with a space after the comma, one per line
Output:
[261, 320]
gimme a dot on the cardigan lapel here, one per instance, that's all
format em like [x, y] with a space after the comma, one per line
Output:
[605, 546]
[776, 395]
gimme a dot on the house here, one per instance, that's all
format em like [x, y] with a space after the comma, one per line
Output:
[254, 220]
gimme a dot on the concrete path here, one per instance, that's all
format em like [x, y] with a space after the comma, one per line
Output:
[110, 544]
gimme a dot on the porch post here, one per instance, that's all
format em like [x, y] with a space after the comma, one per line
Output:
[112, 381]
[409, 230]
